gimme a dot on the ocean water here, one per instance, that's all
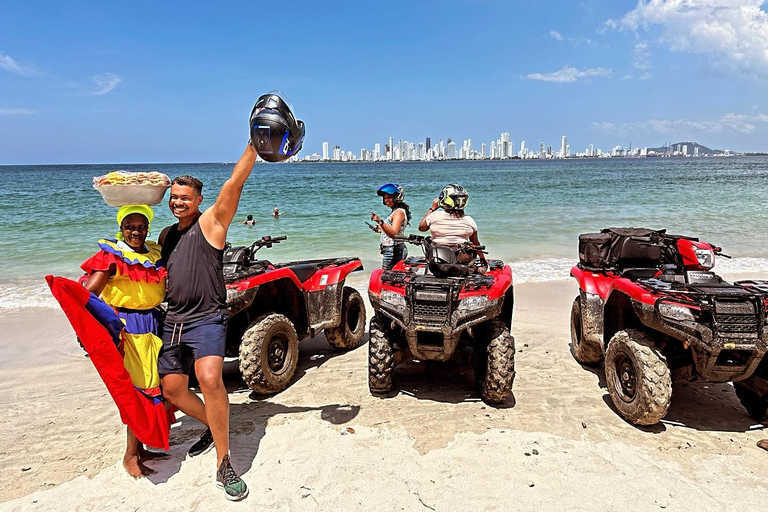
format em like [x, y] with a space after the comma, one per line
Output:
[529, 213]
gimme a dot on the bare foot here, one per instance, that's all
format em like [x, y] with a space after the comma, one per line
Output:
[135, 468]
[763, 443]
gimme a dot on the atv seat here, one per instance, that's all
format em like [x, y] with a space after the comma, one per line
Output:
[304, 271]
[633, 274]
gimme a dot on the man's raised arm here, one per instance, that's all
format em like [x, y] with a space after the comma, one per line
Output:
[216, 220]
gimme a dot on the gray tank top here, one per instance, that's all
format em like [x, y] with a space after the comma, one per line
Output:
[195, 281]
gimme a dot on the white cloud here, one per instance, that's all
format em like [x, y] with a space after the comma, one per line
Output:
[554, 34]
[642, 56]
[105, 82]
[17, 112]
[9, 64]
[570, 75]
[731, 122]
[731, 33]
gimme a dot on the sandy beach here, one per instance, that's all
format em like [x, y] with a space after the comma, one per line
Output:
[326, 444]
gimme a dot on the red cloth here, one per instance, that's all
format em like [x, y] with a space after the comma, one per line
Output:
[146, 417]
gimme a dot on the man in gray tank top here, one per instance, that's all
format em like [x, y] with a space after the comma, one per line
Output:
[195, 326]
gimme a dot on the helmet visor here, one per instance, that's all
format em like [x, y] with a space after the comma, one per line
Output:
[459, 201]
[389, 188]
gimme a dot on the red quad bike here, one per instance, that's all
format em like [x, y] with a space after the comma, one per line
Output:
[273, 306]
[653, 310]
[434, 309]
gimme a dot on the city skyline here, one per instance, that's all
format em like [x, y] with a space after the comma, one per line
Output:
[502, 148]
[96, 82]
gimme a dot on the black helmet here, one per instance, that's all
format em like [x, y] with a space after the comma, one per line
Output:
[392, 189]
[453, 198]
[275, 132]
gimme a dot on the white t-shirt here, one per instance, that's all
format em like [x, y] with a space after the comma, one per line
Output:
[447, 229]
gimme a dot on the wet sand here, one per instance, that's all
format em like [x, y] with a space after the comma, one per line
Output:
[326, 444]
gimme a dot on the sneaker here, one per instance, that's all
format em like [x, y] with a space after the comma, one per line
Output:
[203, 445]
[226, 478]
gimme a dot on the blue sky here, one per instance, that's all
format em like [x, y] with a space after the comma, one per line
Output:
[175, 81]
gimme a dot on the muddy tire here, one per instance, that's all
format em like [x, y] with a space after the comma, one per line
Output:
[755, 404]
[495, 362]
[637, 377]
[381, 358]
[350, 331]
[584, 353]
[269, 352]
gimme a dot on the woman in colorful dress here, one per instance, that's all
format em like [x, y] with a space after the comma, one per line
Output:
[128, 275]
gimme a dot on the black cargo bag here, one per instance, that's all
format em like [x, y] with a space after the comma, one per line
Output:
[595, 249]
[621, 248]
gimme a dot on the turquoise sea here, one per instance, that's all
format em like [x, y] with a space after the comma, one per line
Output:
[529, 213]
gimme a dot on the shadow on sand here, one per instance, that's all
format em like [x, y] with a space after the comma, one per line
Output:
[450, 382]
[702, 406]
[248, 421]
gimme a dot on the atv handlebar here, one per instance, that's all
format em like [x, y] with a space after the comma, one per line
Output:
[426, 241]
[266, 241]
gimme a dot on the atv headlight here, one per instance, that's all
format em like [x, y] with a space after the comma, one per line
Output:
[676, 312]
[395, 299]
[706, 257]
[473, 303]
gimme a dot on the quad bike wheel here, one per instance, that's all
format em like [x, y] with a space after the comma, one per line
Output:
[350, 331]
[755, 404]
[269, 352]
[584, 353]
[494, 362]
[381, 359]
[637, 377]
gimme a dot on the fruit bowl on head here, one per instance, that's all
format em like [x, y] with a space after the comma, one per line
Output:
[120, 188]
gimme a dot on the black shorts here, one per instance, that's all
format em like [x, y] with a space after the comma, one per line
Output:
[185, 343]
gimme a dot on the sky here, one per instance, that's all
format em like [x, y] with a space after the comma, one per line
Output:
[173, 81]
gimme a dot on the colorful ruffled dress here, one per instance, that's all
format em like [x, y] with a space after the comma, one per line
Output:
[135, 291]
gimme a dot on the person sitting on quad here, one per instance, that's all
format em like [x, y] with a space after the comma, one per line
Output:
[392, 252]
[448, 223]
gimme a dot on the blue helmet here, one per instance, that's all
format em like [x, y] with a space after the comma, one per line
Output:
[392, 189]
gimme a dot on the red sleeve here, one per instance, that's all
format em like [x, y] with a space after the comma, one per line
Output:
[98, 262]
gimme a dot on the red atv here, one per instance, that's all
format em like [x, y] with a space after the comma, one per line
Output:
[435, 308]
[652, 308]
[273, 306]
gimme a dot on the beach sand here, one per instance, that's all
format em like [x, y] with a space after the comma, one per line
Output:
[326, 444]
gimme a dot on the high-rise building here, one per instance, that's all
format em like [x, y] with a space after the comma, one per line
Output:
[391, 145]
[325, 151]
[337, 153]
[482, 150]
[450, 152]
[563, 143]
[429, 144]
[541, 150]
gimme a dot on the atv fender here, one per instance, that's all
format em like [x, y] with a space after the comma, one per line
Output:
[591, 307]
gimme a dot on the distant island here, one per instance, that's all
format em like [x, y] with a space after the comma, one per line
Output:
[688, 148]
